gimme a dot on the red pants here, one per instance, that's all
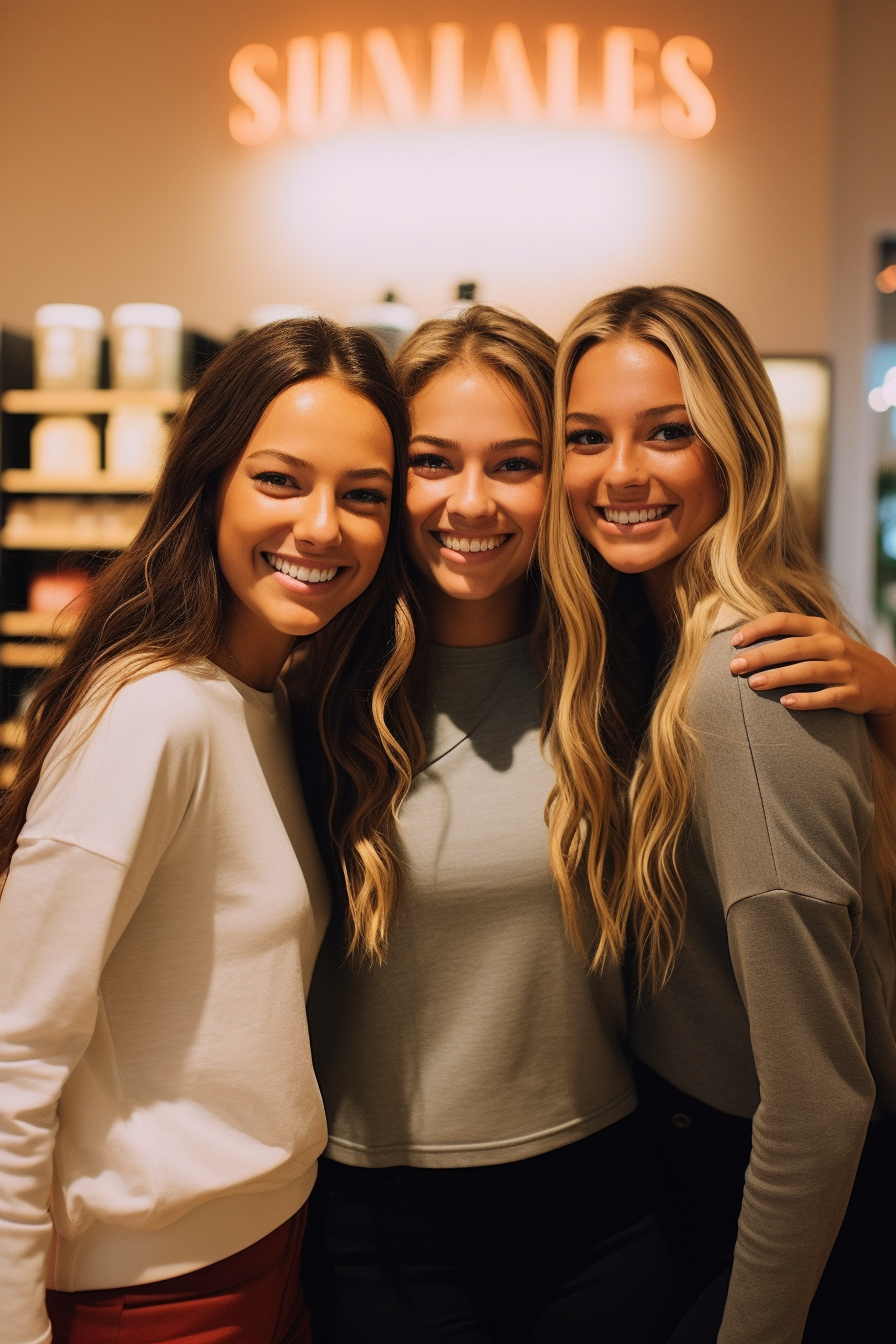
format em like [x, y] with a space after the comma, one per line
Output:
[253, 1297]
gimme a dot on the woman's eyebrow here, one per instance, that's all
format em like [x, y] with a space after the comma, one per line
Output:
[453, 445]
[361, 473]
[590, 419]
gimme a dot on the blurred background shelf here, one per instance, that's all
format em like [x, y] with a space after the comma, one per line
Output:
[62, 539]
[90, 401]
[51, 625]
[19, 481]
[30, 655]
[12, 734]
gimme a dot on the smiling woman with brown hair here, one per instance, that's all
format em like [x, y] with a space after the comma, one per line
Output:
[164, 902]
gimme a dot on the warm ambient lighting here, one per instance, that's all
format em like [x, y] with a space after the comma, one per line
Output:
[886, 280]
[324, 77]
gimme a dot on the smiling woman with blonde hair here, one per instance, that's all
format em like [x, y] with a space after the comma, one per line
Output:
[748, 851]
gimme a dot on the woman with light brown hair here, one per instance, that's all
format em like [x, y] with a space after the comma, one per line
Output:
[483, 1178]
[164, 900]
[747, 851]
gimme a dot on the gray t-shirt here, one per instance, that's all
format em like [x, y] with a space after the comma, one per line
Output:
[483, 1039]
[782, 1005]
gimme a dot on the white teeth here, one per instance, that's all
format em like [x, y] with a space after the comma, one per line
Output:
[301, 572]
[636, 515]
[471, 544]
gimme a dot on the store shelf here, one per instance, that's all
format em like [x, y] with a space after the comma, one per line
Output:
[51, 624]
[62, 539]
[30, 655]
[89, 401]
[20, 482]
[12, 734]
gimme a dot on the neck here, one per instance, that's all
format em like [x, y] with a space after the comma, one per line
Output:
[253, 656]
[659, 591]
[466, 624]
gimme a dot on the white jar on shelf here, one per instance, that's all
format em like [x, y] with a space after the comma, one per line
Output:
[67, 341]
[147, 341]
[65, 445]
[136, 437]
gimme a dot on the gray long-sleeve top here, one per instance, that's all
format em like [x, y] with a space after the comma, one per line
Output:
[782, 1005]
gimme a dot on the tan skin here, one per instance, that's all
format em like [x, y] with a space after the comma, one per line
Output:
[311, 493]
[475, 497]
[855, 678]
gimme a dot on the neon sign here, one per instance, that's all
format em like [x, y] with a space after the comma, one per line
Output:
[330, 80]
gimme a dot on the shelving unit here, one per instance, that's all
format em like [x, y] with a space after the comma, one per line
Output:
[30, 640]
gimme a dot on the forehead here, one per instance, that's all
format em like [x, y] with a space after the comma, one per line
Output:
[473, 401]
[324, 419]
[621, 374]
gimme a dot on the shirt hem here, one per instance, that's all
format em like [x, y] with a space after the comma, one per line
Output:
[111, 1256]
[486, 1154]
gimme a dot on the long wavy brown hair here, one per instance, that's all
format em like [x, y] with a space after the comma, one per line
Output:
[162, 602]
[753, 560]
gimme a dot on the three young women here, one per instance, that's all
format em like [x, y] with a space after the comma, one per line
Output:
[165, 901]
[749, 851]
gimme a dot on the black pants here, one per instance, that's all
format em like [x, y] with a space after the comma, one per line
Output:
[701, 1156]
[556, 1249]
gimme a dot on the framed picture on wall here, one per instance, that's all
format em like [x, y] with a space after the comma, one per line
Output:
[802, 384]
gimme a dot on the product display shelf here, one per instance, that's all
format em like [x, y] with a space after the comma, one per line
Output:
[89, 401]
[105, 516]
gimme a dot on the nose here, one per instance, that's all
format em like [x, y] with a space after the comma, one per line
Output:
[316, 521]
[626, 466]
[471, 498]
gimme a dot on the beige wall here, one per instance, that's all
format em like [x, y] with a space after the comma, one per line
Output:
[120, 181]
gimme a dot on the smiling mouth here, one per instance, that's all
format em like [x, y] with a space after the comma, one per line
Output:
[471, 544]
[301, 572]
[643, 515]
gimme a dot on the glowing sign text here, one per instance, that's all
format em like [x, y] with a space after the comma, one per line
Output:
[335, 80]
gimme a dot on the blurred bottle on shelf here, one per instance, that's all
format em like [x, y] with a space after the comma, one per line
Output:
[65, 445]
[67, 344]
[147, 355]
[389, 321]
[135, 442]
[147, 343]
[466, 298]
[51, 591]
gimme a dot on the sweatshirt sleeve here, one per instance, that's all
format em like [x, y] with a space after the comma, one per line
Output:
[103, 813]
[790, 862]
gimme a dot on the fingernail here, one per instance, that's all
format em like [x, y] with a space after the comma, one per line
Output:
[788, 700]
[737, 664]
[737, 638]
[757, 682]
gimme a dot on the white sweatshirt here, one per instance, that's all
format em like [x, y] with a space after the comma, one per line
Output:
[158, 931]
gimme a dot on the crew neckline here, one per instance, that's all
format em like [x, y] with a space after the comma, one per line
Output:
[480, 655]
[266, 700]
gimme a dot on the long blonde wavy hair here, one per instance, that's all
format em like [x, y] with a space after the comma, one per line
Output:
[518, 353]
[620, 808]
[162, 602]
